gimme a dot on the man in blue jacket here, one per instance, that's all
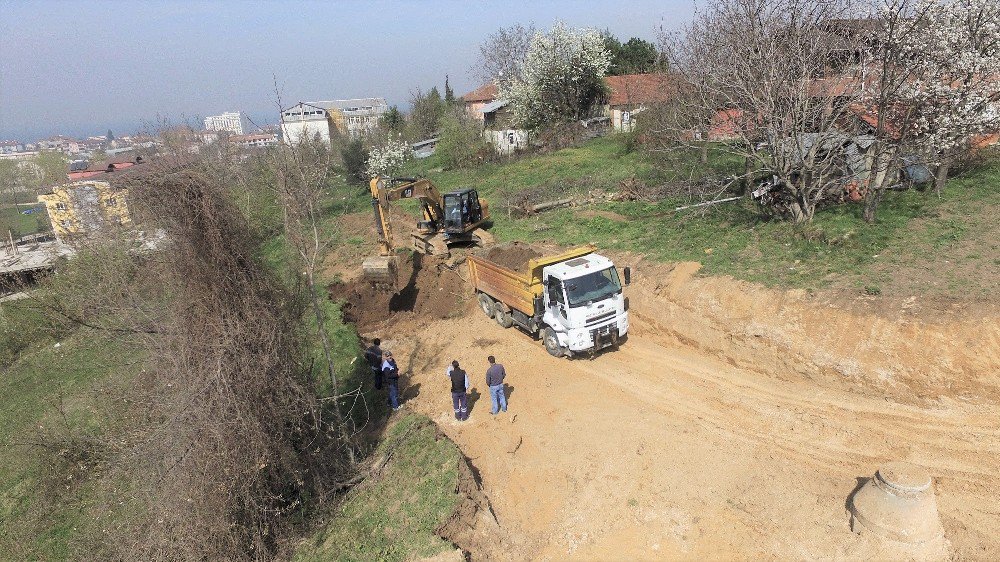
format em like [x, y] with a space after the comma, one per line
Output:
[390, 372]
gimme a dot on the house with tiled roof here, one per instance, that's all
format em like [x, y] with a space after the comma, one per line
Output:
[631, 94]
[479, 98]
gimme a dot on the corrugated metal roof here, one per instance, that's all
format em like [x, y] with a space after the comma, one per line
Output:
[491, 107]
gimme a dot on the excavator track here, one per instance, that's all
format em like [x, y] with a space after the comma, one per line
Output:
[430, 244]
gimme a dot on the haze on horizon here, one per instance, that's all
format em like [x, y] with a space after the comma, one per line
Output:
[83, 68]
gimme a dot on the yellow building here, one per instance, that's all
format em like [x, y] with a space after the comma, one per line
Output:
[85, 208]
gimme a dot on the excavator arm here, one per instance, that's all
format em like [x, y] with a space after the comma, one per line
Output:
[381, 269]
[431, 202]
[383, 224]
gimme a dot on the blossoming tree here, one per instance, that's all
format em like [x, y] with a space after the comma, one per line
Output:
[561, 79]
[388, 160]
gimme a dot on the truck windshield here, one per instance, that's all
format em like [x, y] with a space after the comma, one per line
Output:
[592, 287]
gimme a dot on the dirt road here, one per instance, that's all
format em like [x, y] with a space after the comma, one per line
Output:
[718, 432]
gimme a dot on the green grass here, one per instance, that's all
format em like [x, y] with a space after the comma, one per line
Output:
[836, 249]
[51, 390]
[21, 224]
[393, 517]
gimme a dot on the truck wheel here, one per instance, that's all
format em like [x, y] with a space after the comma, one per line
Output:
[502, 316]
[552, 343]
[486, 304]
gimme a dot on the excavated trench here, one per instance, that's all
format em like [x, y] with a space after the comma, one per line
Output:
[733, 424]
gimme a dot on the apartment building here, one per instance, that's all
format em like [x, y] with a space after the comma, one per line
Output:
[234, 122]
[323, 119]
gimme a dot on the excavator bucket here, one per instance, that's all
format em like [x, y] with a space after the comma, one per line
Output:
[380, 270]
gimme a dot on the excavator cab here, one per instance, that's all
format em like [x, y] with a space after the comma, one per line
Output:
[462, 211]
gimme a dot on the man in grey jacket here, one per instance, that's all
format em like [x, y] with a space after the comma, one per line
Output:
[494, 380]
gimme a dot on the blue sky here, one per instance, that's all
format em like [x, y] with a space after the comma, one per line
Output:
[80, 68]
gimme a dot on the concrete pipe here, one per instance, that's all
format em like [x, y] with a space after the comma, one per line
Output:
[898, 504]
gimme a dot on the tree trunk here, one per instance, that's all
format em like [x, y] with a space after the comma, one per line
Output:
[328, 357]
[872, 198]
[704, 150]
[801, 209]
[941, 176]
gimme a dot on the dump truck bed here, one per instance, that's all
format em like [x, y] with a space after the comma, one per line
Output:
[516, 288]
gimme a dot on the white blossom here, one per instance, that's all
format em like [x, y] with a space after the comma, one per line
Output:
[954, 57]
[561, 77]
[388, 160]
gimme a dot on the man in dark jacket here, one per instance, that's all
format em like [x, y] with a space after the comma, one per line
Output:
[494, 380]
[374, 357]
[391, 374]
[459, 389]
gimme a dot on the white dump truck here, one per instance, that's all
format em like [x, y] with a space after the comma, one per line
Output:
[573, 301]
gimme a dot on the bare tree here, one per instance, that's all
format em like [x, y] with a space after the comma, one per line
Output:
[502, 55]
[758, 69]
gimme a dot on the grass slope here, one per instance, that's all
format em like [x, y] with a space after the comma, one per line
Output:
[44, 494]
[393, 517]
[922, 243]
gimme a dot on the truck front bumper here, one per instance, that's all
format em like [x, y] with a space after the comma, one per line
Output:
[598, 337]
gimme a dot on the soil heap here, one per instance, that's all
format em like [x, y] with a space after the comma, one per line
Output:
[512, 256]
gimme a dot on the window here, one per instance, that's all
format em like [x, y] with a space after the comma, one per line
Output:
[111, 202]
[65, 223]
[60, 206]
[556, 297]
[595, 286]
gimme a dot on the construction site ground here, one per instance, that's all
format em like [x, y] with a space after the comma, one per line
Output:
[735, 422]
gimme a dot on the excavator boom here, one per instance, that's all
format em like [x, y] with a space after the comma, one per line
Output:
[451, 218]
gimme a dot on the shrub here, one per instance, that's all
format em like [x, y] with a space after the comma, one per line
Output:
[355, 157]
[461, 142]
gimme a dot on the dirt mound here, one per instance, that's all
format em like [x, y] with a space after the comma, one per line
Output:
[512, 256]
[432, 291]
[473, 526]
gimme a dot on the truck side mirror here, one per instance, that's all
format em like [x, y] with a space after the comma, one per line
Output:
[628, 275]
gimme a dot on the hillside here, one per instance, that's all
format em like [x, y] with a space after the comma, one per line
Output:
[923, 244]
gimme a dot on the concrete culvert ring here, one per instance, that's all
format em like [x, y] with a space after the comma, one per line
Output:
[486, 304]
[903, 478]
[898, 503]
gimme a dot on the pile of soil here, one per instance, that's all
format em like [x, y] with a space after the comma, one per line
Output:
[512, 256]
[431, 291]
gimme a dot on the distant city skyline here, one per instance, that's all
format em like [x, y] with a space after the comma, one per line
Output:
[82, 68]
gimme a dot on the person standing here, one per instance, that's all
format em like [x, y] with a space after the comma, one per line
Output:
[494, 380]
[459, 391]
[374, 357]
[390, 372]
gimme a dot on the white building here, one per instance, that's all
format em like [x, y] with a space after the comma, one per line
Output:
[258, 140]
[305, 121]
[351, 117]
[11, 146]
[234, 122]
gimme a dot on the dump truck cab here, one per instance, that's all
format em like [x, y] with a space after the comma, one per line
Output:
[583, 304]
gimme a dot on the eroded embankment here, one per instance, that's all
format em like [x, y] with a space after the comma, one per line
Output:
[734, 423]
[794, 334]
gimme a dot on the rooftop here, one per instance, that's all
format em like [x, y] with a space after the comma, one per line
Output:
[640, 88]
[486, 92]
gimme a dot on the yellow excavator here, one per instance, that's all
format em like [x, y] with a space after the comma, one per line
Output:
[449, 219]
